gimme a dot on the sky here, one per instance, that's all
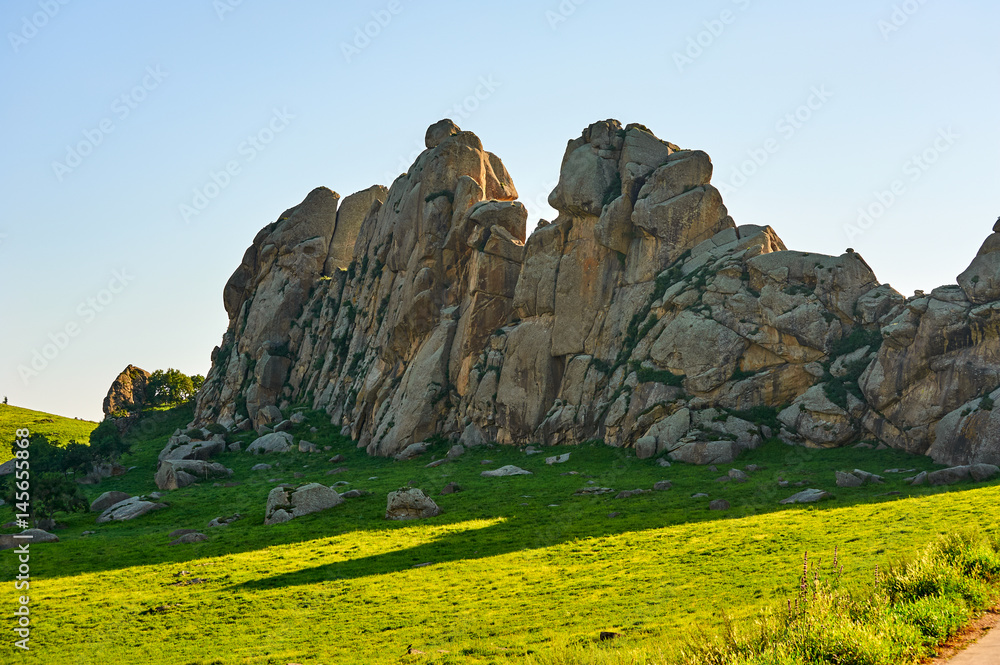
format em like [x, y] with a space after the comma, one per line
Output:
[145, 143]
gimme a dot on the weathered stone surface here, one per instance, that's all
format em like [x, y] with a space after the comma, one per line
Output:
[410, 504]
[106, 500]
[175, 474]
[719, 504]
[276, 442]
[29, 536]
[412, 451]
[423, 310]
[284, 504]
[127, 393]
[128, 509]
[845, 479]
[706, 452]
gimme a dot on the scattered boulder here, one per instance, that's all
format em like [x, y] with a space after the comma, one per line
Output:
[628, 494]
[128, 510]
[352, 494]
[410, 504]
[307, 447]
[955, 474]
[284, 504]
[297, 418]
[261, 467]
[337, 459]
[412, 451]
[845, 479]
[106, 500]
[276, 442]
[806, 496]
[663, 486]
[224, 521]
[738, 476]
[558, 459]
[662, 462]
[180, 447]
[509, 470]
[719, 504]
[235, 447]
[705, 453]
[187, 538]
[175, 474]
[269, 415]
[30, 536]
[456, 451]
[451, 488]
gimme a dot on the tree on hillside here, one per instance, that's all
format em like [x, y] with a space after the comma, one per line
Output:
[165, 388]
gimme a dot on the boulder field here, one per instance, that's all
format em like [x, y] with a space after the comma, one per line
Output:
[643, 315]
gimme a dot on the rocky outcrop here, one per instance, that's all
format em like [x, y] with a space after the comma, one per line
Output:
[127, 394]
[643, 315]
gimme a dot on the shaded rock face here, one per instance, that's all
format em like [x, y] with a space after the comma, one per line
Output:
[643, 315]
[128, 392]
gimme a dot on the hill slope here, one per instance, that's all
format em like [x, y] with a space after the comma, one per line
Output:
[517, 565]
[56, 429]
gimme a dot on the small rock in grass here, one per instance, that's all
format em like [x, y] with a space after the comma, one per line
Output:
[607, 635]
[177, 533]
[751, 468]
[806, 496]
[662, 486]
[719, 504]
[451, 488]
[737, 476]
[486, 461]
[557, 459]
[627, 494]
[509, 470]
[187, 538]
[700, 495]
[663, 462]
[723, 479]
[336, 459]
[333, 472]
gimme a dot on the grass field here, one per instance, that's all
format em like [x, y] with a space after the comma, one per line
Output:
[517, 565]
[56, 429]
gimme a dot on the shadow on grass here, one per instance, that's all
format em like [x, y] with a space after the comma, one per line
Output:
[527, 526]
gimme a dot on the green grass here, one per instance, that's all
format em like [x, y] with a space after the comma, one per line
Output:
[56, 429]
[519, 566]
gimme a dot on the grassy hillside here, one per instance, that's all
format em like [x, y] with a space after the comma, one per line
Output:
[55, 428]
[517, 565]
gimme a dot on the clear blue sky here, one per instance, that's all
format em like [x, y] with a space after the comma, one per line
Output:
[164, 94]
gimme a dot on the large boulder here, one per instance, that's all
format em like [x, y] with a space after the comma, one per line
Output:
[175, 474]
[28, 536]
[276, 442]
[410, 504]
[106, 500]
[284, 504]
[129, 510]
